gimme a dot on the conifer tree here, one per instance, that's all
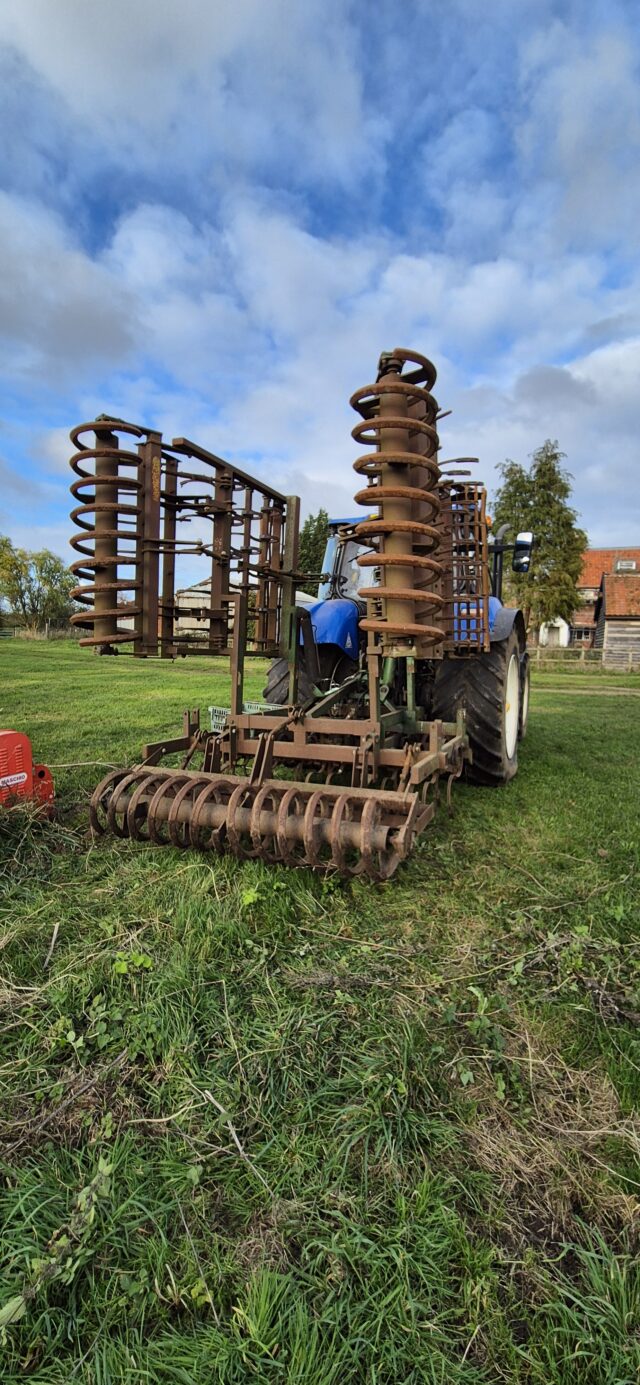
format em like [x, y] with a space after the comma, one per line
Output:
[537, 498]
[313, 541]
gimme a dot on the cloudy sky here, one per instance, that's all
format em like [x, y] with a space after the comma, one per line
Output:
[214, 215]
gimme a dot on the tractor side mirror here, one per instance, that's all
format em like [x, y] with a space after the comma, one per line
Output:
[522, 550]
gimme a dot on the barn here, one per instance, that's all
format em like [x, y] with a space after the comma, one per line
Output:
[595, 563]
[617, 620]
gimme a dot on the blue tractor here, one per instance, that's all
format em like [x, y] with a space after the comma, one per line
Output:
[491, 688]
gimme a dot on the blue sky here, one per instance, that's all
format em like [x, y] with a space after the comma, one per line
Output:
[214, 216]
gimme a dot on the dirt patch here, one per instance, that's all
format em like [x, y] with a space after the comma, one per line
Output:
[549, 1159]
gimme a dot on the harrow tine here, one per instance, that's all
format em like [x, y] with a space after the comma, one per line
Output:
[261, 843]
[118, 806]
[342, 812]
[239, 847]
[138, 814]
[285, 843]
[179, 833]
[213, 793]
[98, 797]
[311, 844]
[155, 821]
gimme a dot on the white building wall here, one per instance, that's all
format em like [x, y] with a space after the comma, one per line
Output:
[554, 634]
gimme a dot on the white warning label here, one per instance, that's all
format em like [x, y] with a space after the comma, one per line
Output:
[9, 781]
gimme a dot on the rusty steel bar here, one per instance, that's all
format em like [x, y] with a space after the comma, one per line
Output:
[220, 558]
[466, 560]
[169, 497]
[290, 553]
[105, 625]
[215, 815]
[191, 449]
[151, 470]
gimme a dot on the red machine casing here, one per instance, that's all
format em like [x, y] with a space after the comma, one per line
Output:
[19, 777]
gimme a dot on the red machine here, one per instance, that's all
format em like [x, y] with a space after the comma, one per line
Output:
[19, 777]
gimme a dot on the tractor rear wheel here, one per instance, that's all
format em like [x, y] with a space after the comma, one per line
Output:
[335, 666]
[488, 689]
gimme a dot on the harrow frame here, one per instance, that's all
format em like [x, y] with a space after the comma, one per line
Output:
[366, 768]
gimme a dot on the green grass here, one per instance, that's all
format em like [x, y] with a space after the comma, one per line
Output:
[257, 1126]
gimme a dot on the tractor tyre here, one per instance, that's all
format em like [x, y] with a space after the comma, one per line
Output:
[488, 688]
[334, 665]
[277, 688]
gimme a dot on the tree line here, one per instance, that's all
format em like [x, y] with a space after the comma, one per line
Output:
[35, 588]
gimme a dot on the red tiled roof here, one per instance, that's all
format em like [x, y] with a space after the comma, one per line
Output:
[622, 594]
[584, 617]
[597, 561]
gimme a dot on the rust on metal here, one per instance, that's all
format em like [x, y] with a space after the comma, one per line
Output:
[351, 830]
[399, 415]
[429, 541]
[366, 769]
[133, 505]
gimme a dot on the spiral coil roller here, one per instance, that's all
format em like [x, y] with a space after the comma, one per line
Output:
[130, 506]
[398, 417]
[353, 833]
[109, 525]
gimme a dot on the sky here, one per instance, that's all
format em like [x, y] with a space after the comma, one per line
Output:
[215, 214]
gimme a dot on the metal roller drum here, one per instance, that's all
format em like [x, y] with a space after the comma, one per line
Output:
[350, 831]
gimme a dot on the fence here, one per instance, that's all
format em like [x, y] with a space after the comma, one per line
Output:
[586, 660]
[21, 632]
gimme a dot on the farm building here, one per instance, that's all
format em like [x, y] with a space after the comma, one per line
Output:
[193, 607]
[596, 562]
[617, 620]
[554, 634]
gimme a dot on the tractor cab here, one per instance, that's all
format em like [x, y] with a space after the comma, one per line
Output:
[336, 612]
[341, 575]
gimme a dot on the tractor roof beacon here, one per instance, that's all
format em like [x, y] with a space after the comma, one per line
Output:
[407, 668]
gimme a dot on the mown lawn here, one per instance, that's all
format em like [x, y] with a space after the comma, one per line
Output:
[257, 1126]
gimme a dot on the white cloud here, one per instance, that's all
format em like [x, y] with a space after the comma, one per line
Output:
[261, 367]
[231, 85]
[59, 310]
[581, 130]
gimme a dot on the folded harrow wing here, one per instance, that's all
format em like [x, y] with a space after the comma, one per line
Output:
[342, 772]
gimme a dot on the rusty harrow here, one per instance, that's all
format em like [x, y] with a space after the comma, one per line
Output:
[347, 779]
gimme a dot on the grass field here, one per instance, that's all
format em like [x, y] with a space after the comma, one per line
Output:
[258, 1126]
